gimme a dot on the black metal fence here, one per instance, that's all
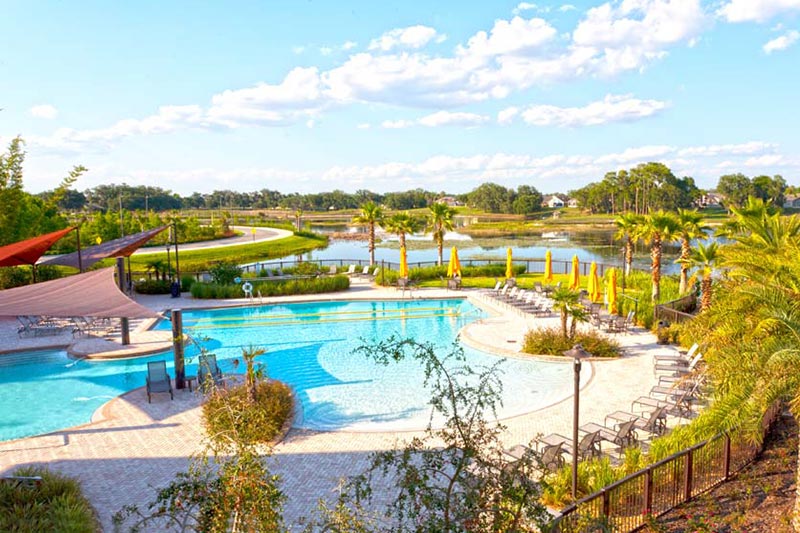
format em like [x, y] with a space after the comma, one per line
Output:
[627, 504]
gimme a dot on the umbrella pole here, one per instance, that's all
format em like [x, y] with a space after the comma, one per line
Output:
[124, 324]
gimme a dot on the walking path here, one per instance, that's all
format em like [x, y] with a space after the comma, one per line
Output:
[131, 446]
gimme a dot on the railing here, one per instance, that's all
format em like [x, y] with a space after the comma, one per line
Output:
[674, 311]
[627, 504]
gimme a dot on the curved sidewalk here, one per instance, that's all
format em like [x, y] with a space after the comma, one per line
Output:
[132, 446]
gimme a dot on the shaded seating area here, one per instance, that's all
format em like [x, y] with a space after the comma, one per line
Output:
[157, 379]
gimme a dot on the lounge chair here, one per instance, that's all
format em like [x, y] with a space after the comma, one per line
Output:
[551, 454]
[684, 358]
[364, 272]
[208, 371]
[351, 271]
[624, 435]
[678, 367]
[157, 379]
[655, 422]
[332, 270]
[588, 445]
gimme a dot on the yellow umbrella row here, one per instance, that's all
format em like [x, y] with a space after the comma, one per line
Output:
[454, 266]
[575, 276]
[548, 267]
[593, 288]
[509, 266]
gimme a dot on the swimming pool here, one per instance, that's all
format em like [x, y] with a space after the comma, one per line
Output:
[310, 346]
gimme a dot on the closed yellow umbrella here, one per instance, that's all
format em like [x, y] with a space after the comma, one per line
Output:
[548, 267]
[611, 292]
[403, 263]
[454, 266]
[594, 283]
[575, 276]
[509, 266]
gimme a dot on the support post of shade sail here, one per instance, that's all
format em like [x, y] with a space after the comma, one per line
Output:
[124, 324]
[177, 348]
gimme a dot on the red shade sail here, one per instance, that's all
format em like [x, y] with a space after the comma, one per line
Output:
[122, 247]
[93, 294]
[29, 251]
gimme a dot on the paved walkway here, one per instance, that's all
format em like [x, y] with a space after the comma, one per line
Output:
[132, 446]
[247, 237]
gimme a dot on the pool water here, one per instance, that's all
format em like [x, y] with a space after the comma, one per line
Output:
[310, 346]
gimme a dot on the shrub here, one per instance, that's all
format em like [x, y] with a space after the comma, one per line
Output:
[550, 341]
[224, 273]
[152, 286]
[436, 272]
[58, 504]
[273, 288]
[187, 282]
[229, 411]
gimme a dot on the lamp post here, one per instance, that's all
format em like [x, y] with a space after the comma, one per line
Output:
[169, 265]
[577, 353]
[624, 267]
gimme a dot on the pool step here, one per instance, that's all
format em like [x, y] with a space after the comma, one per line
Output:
[33, 358]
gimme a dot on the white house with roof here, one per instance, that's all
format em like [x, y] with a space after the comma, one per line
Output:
[551, 200]
[791, 200]
[449, 200]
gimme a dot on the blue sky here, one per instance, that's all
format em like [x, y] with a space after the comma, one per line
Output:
[318, 95]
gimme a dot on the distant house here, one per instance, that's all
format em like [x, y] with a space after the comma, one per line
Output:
[551, 200]
[572, 202]
[710, 199]
[791, 200]
[449, 200]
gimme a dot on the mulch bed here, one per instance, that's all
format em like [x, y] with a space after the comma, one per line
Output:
[760, 498]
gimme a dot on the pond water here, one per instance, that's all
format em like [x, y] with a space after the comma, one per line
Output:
[594, 245]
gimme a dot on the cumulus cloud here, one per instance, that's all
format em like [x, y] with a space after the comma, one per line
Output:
[524, 6]
[713, 150]
[410, 37]
[782, 43]
[613, 108]
[756, 10]
[509, 37]
[440, 118]
[567, 7]
[45, 111]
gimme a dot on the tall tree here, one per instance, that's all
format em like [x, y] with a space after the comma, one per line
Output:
[440, 220]
[370, 216]
[705, 258]
[690, 226]
[627, 229]
[736, 188]
[658, 228]
[12, 196]
[402, 224]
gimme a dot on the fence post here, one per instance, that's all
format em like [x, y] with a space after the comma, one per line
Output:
[648, 490]
[726, 457]
[687, 475]
[606, 504]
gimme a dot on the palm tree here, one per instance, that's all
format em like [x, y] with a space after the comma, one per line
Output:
[371, 215]
[657, 228]
[402, 224]
[564, 300]
[704, 257]
[440, 220]
[627, 226]
[691, 226]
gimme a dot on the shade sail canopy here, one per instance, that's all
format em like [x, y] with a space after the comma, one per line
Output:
[29, 251]
[91, 294]
[122, 247]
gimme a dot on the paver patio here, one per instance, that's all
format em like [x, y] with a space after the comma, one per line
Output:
[132, 446]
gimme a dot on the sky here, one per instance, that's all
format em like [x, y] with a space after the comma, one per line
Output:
[310, 96]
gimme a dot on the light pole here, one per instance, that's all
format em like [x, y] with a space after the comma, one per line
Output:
[624, 266]
[577, 353]
[169, 265]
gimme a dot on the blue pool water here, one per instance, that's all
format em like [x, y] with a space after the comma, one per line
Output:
[310, 346]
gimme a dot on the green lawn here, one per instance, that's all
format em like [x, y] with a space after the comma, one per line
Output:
[199, 260]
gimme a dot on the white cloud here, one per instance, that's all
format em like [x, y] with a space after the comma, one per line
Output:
[763, 161]
[567, 7]
[349, 45]
[326, 50]
[45, 111]
[440, 118]
[410, 37]
[513, 37]
[637, 155]
[756, 10]
[506, 116]
[612, 108]
[524, 6]
[634, 32]
[749, 148]
[782, 43]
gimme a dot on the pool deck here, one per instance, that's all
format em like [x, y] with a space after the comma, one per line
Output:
[131, 446]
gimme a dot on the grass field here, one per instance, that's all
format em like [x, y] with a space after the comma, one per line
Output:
[198, 260]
